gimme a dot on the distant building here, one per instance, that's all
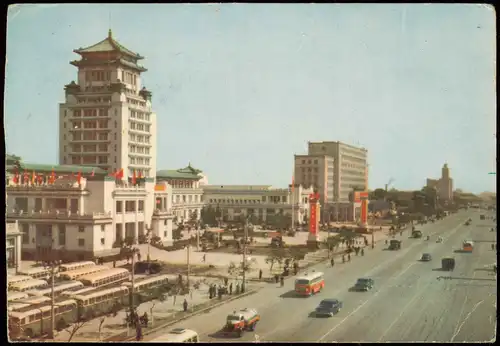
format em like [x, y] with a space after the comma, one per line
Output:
[336, 170]
[107, 119]
[235, 201]
[187, 192]
[444, 185]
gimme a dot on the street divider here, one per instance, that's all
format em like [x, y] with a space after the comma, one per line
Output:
[198, 309]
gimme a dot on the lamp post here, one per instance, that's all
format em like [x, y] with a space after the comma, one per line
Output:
[149, 233]
[51, 262]
[245, 237]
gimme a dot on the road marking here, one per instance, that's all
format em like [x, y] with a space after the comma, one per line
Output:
[457, 331]
[346, 318]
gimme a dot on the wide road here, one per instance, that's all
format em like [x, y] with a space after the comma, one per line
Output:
[408, 302]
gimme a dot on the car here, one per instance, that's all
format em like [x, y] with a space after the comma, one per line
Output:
[363, 284]
[426, 257]
[439, 240]
[328, 307]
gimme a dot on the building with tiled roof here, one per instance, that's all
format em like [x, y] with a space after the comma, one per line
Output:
[107, 120]
[187, 194]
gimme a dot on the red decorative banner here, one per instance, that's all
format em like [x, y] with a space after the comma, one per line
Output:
[312, 219]
[364, 211]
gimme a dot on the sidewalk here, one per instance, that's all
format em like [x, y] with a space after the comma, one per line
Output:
[162, 312]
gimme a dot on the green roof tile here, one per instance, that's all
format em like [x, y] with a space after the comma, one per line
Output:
[38, 168]
[108, 45]
[183, 173]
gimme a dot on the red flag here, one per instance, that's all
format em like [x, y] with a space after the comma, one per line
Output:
[134, 178]
[93, 172]
[79, 178]
[40, 179]
[119, 175]
[33, 177]
[26, 177]
[140, 175]
[52, 179]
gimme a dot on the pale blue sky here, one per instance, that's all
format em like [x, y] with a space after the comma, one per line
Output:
[238, 89]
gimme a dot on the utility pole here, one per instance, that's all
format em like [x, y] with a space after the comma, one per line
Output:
[132, 292]
[188, 262]
[245, 236]
[51, 262]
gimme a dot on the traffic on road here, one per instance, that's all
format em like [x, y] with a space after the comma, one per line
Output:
[437, 290]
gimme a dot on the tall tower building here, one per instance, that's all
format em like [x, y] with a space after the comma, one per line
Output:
[107, 120]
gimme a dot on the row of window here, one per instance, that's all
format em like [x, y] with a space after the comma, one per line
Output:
[130, 206]
[136, 102]
[139, 138]
[139, 160]
[97, 76]
[139, 115]
[89, 136]
[264, 199]
[61, 239]
[188, 198]
[140, 127]
[133, 148]
[86, 100]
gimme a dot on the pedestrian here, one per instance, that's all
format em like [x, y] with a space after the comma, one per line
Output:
[231, 288]
[114, 264]
[260, 274]
[332, 262]
[204, 258]
[276, 278]
[175, 298]
[282, 281]
[362, 252]
[348, 257]
[343, 258]
[185, 305]
[138, 256]
[238, 288]
[210, 295]
[226, 280]
[220, 293]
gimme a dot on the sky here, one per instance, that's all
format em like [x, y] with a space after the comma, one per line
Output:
[240, 88]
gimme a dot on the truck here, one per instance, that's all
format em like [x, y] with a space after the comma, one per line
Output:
[448, 263]
[395, 244]
[240, 321]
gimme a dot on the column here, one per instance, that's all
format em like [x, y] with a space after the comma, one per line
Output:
[124, 224]
[44, 204]
[81, 206]
[136, 223]
[68, 203]
[17, 249]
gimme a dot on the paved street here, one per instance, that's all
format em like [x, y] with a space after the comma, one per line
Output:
[408, 302]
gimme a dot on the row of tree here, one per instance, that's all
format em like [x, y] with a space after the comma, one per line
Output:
[211, 216]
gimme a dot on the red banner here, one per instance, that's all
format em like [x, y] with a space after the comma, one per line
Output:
[364, 211]
[312, 219]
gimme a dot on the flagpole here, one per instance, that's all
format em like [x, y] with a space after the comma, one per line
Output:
[293, 205]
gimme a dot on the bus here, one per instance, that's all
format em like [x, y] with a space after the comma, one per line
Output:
[76, 291]
[32, 284]
[13, 296]
[34, 320]
[178, 335]
[16, 306]
[468, 246]
[77, 273]
[101, 300]
[75, 265]
[36, 272]
[35, 300]
[59, 287]
[310, 283]
[18, 278]
[106, 277]
[147, 282]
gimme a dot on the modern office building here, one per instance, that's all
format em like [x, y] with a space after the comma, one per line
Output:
[107, 119]
[444, 185]
[337, 170]
[235, 201]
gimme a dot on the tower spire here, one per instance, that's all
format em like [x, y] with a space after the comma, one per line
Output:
[110, 33]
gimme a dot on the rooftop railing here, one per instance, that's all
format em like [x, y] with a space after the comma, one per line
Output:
[58, 213]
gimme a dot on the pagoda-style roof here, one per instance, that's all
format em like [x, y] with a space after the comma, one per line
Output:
[183, 173]
[109, 44]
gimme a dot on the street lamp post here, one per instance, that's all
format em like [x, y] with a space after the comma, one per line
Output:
[149, 233]
[245, 237]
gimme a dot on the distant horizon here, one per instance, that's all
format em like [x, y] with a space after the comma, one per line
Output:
[240, 88]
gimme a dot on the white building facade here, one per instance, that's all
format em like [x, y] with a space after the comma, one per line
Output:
[187, 192]
[259, 200]
[107, 119]
[90, 219]
[13, 247]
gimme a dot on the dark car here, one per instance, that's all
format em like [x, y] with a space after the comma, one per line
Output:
[363, 284]
[426, 257]
[151, 267]
[448, 264]
[328, 307]
[395, 244]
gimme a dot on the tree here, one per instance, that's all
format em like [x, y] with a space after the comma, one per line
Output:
[277, 256]
[75, 328]
[379, 194]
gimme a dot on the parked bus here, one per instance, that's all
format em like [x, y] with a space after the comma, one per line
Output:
[468, 246]
[147, 282]
[75, 265]
[36, 272]
[34, 300]
[76, 291]
[16, 306]
[59, 287]
[178, 335]
[77, 273]
[17, 278]
[106, 277]
[34, 320]
[101, 300]
[13, 296]
[310, 283]
[32, 284]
